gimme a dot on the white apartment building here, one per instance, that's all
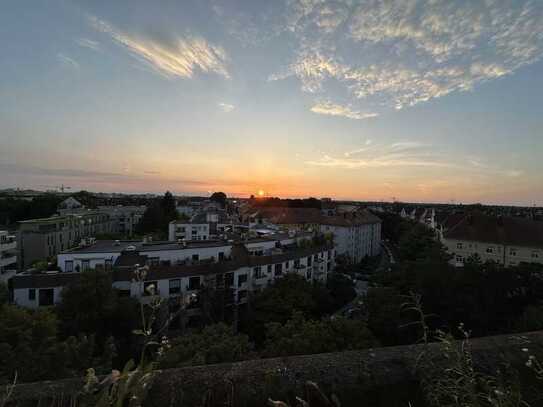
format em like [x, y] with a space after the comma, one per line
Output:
[356, 234]
[243, 270]
[504, 240]
[8, 255]
[180, 230]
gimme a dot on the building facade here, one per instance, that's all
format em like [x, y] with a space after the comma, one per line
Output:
[43, 239]
[356, 235]
[505, 240]
[244, 267]
[124, 218]
[8, 254]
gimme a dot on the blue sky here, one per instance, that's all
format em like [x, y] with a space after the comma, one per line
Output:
[421, 100]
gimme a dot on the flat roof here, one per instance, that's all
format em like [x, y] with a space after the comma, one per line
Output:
[106, 246]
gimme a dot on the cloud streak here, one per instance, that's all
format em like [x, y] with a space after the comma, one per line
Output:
[183, 58]
[226, 107]
[332, 109]
[67, 61]
[86, 43]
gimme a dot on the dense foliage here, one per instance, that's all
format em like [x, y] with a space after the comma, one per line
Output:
[30, 348]
[299, 336]
[487, 298]
[214, 344]
[14, 210]
[157, 216]
[91, 306]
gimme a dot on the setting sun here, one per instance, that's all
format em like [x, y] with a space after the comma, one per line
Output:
[260, 193]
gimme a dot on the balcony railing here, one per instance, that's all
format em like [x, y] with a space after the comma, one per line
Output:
[5, 261]
[8, 245]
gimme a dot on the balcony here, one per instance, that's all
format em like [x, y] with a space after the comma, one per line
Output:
[8, 245]
[7, 260]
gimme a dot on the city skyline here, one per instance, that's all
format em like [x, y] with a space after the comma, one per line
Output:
[427, 101]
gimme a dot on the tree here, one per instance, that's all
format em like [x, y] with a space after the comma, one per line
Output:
[214, 344]
[168, 207]
[91, 306]
[158, 215]
[341, 290]
[219, 197]
[4, 294]
[299, 336]
[277, 302]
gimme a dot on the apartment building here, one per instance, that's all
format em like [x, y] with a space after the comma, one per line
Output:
[287, 218]
[43, 239]
[124, 218]
[8, 254]
[202, 226]
[104, 253]
[504, 240]
[242, 271]
[357, 234]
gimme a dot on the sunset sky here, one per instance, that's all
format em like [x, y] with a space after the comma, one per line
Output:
[421, 100]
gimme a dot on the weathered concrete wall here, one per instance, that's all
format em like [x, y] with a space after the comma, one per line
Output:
[375, 377]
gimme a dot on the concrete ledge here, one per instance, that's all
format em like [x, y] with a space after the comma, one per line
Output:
[374, 377]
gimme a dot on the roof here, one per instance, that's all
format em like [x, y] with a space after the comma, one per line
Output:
[361, 217]
[106, 246]
[43, 280]
[290, 216]
[500, 230]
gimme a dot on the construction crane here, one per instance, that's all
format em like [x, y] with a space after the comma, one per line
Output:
[61, 188]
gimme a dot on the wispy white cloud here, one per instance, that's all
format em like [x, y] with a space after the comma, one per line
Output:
[332, 109]
[402, 154]
[181, 58]
[86, 43]
[67, 61]
[405, 145]
[413, 50]
[376, 162]
[226, 107]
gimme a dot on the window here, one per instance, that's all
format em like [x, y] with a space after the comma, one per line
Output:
[308, 275]
[297, 263]
[269, 269]
[47, 296]
[85, 265]
[309, 261]
[194, 283]
[242, 294]
[31, 294]
[512, 252]
[459, 259]
[458, 245]
[278, 269]
[123, 293]
[195, 257]
[153, 261]
[221, 256]
[69, 266]
[242, 278]
[535, 255]
[229, 279]
[490, 250]
[108, 264]
[257, 272]
[175, 287]
[150, 288]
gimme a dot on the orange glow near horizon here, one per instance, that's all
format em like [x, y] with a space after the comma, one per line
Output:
[260, 193]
